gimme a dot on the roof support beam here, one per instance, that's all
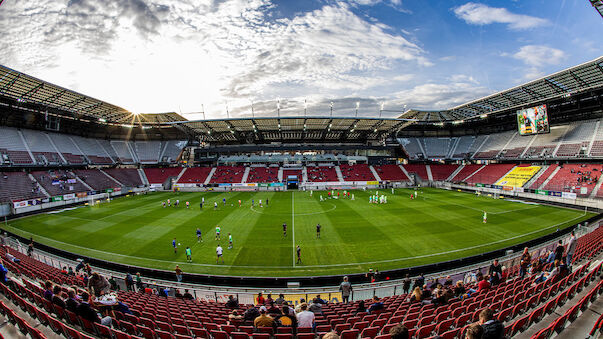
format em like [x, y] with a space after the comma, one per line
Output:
[554, 86]
[532, 94]
[578, 79]
[51, 99]
[33, 90]
[10, 83]
[73, 103]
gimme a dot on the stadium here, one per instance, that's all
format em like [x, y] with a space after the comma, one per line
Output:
[287, 200]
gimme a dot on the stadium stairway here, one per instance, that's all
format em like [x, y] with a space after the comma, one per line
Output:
[80, 180]
[536, 176]
[375, 173]
[595, 191]
[110, 177]
[549, 178]
[460, 168]
[143, 177]
[209, 176]
[406, 173]
[42, 189]
[339, 174]
[246, 174]
[429, 174]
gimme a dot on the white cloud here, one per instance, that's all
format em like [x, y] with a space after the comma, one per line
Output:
[441, 96]
[539, 55]
[176, 55]
[480, 14]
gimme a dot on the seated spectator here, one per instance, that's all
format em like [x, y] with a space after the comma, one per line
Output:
[123, 308]
[71, 302]
[264, 320]
[330, 335]
[12, 258]
[273, 310]
[376, 305]
[286, 320]
[3, 272]
[316, 308]
[280, 300]
[56, 298]
[48, 290]
[483, 284]
[251, 314]
[269, 299]
[232, 302]
[319, 300]
[361, 308]
[474, 331]
[85, 311]
[398, 332]
[64, 270]
[305, 318]
[548, 275]
[70, 271]
[492, 327]
[298, 307]
[234, 317]
[177, 294]
[439, 298]
[113, 284]
[448, 281]
[187, 295]
[417, 295]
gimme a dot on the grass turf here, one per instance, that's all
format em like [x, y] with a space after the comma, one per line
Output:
[438, 226]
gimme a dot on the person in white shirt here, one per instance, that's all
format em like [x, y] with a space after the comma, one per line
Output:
[571, 248]
[219, 254]
[305, 318]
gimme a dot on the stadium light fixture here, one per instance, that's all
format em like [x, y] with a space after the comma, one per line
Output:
[102, 119]
[305, 109]
[357, 106]
[483, 116]
[331, 113]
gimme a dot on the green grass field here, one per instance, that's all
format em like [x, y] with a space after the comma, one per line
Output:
[440, 225]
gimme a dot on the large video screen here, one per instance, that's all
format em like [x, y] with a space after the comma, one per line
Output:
[533, 120]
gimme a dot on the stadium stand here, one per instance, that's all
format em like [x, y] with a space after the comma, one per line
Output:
[70, 151]
[172, 151]
[263, 174]
[391, 173]
[573, 177]
[358, 172]
[442, 172]
[18, 186]
[290, 172]
[160, 175]
[464, 147]
[322, 174]
[228, 174]
[544, 176]
[437, 148]
[418, 169]
[516, 146]
[123, 151]
[466, 171]
[58, 182]
[412, 147]
[11, 144]
[127, 176]
[148, 151]
[195, 175]
[42, 149]
[95, 179]
[493, 145]
[490, 173]
[93, 150]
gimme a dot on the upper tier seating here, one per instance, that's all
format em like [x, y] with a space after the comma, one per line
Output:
[228, 174]
[195, 175]
[123, 151]
[437, 147]
[18, 186]
[72, 154]
[59, 182]
[442, 172]
[12, 145]
[597, 149]
[490, 174]
[322, 174]
[263, 174]
[93, 149]
[127, 176]
[465, 172]
[160, 175]
[41, 147]
[516, 147]
[412, 147]
[419, 169]
[173, 149]
[95, 179]
[359, 172]
[148, 151]
[571, 177]
[493, 145]
[391, 173]
[466, 146]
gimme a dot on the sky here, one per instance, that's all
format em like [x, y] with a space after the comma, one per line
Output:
[225, 57]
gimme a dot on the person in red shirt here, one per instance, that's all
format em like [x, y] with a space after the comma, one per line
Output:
[260, 299]
[484, 284]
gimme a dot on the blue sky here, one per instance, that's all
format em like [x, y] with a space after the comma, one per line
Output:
[185, 56]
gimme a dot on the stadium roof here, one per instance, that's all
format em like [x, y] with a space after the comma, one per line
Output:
[598, 5]
[566, 83]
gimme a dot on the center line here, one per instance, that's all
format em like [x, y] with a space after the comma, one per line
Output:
[293, 224]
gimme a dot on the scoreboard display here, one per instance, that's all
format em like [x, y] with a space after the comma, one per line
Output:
[533, 120]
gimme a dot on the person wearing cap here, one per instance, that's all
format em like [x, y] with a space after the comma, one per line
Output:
[263, 320]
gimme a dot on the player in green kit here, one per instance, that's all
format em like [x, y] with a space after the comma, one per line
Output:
[229, 241]
[217, 232]
[189, 254]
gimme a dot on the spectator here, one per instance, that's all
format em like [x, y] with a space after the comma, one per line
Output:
[417, 295]
[71, 302]
[361, 307]
[234, 317]
[406, 284]
[251, 313]
[113, 284]
[12, 258]
[187, 295]
[263, 320]
[495, 272]
[376, 305]
[232, 302]
[439, 299]
[178, 273]
[280, 300]
[346, 289]
[305, 318]
[56, 298]
[316, 308]
[483, 284]
[85, 311]
[138, 281]
[286, 320]
[48, 290]
[177, 294]
[129, 281]
[419, 282]
[319, 300]
[559, 251]
[269, 299]
[273, 310]
[331, 335]
[70, 271]
[30, 248]
[260, 300]
[3, 272]
[98, 285]
[526, 259]
[493, 329]
[571, 249]
[459, 289]
[398, 332]
[298, 307]
[551, 257]
[448, 282]
[474, 331]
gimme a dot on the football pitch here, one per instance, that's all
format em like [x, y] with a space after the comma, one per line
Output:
[438, 226]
